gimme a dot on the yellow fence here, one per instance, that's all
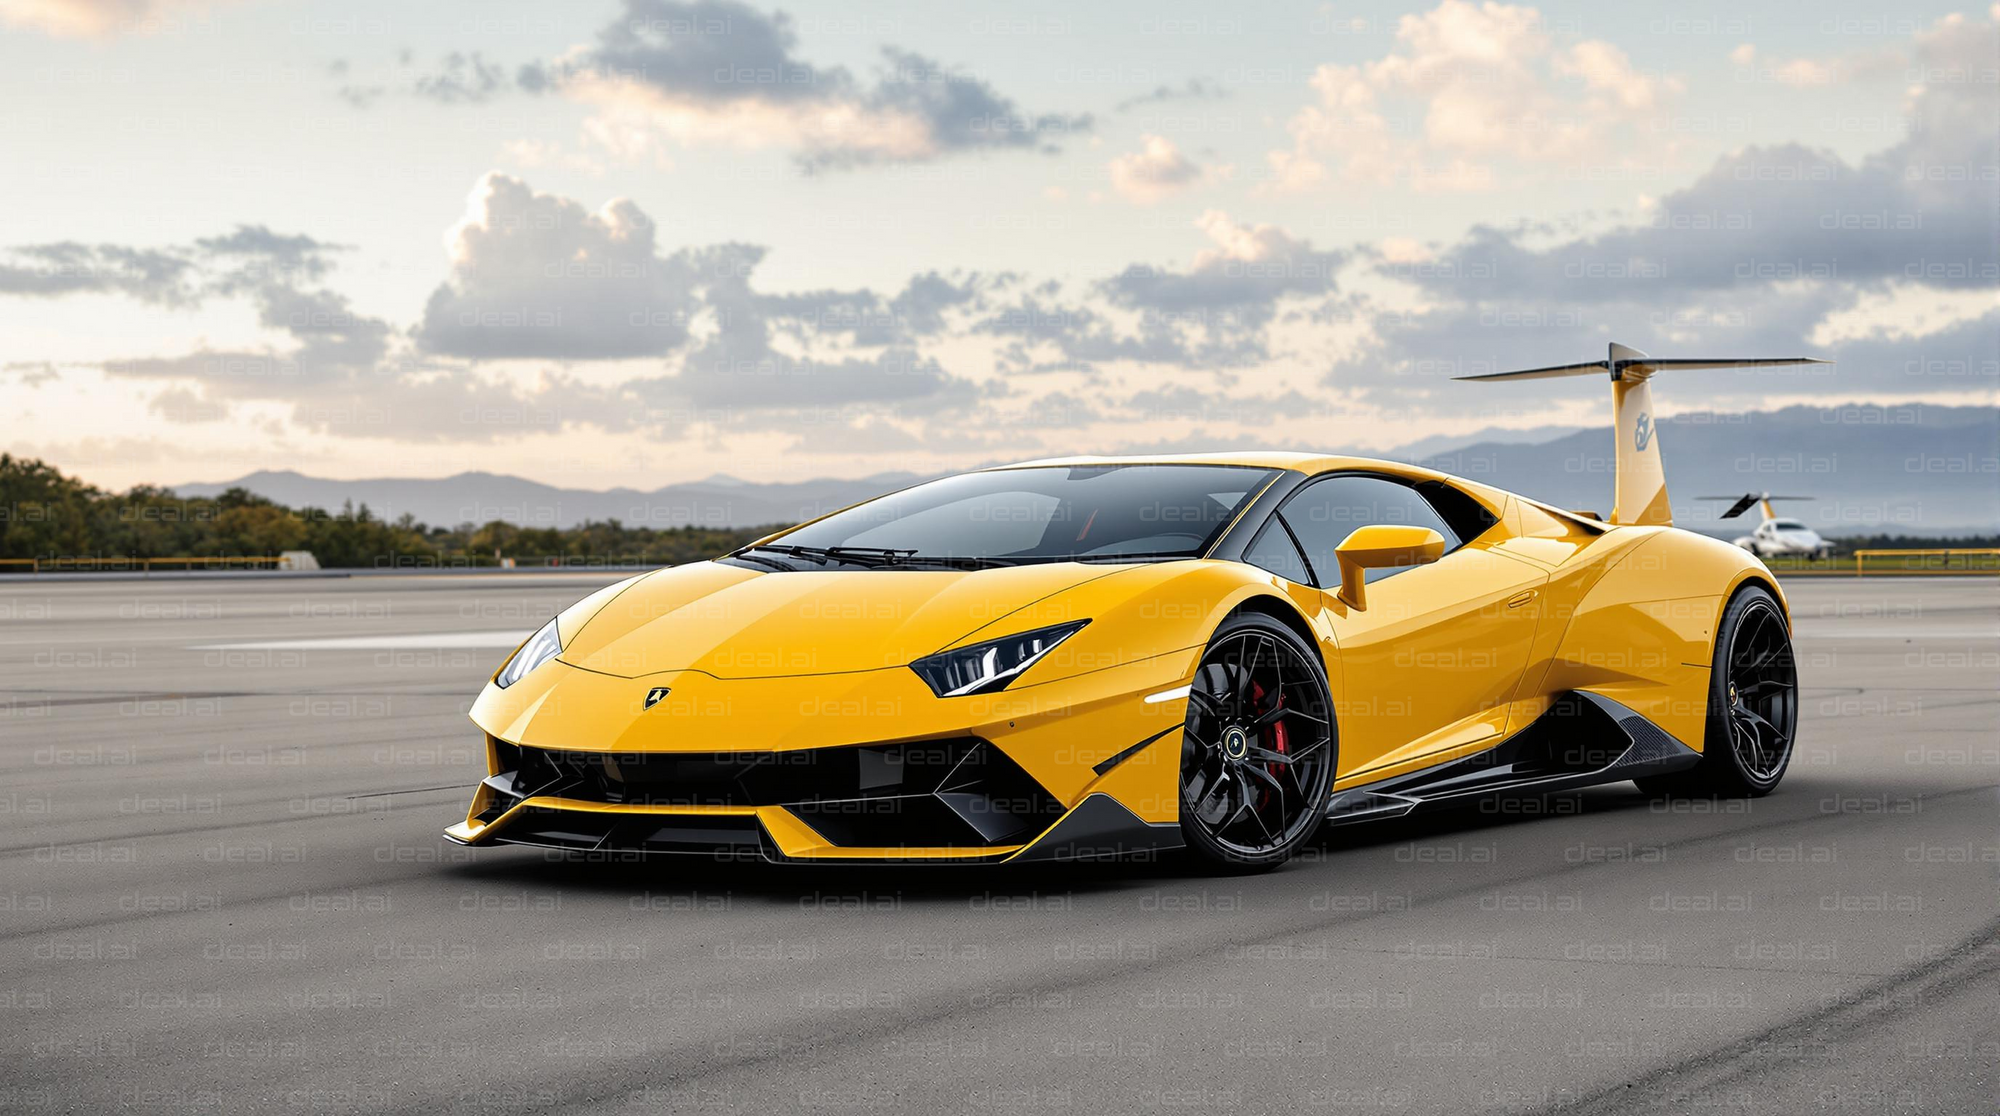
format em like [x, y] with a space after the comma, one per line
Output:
[1956, 561]
[54, 565]
[1950, 560]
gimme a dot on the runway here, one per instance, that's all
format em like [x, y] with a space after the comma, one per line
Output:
[225, 891]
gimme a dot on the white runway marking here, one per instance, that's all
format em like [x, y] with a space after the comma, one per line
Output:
[377, 643]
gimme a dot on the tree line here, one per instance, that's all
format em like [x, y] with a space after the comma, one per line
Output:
[61, 520]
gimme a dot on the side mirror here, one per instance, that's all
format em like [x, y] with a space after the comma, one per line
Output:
[1382, 547]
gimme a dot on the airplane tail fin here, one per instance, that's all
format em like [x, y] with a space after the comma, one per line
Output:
[1748, 500]
[1641, 482]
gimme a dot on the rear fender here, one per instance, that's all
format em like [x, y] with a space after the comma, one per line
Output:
[1644, 634]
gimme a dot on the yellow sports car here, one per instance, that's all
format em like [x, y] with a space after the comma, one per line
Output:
[1096, 657]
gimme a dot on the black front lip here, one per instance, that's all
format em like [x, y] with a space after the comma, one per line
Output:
[1099, 828]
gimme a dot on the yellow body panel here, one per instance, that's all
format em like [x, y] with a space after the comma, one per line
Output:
[1446, 660]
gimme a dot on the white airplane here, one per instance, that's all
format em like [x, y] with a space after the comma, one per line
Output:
[1775, 536]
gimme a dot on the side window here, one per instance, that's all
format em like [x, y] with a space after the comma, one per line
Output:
[1324, 513]
[1274, 551]
[1468, 517]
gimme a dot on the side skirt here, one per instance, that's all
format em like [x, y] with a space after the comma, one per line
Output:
[1583, 740]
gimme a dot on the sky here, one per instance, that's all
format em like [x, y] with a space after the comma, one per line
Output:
[642, 242]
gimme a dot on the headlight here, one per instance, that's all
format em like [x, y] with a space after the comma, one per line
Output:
[985, 667]
[544, 645]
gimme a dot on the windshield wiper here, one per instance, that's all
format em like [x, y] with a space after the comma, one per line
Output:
[883, 553]
[871, 557]
[1155, 556]
[856, 555]
[744, 555]
[949, 561]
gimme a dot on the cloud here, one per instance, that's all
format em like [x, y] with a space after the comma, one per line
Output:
[343, 376]
[1786, 213]
[1214, 313]
[336, 369]
[738, 367]
[1764, 254]
[160, 277]
[1410, 358]
[31, 373]
[329, 332]
[178, 276]
[537, 275]
[97, 19]
[533, 276]
[458, 78]
[864, 317]
[1247, 271]
[1157, 171]
[254, 255]
[1470, 91]
[1806, 73]
[1193, 89]
[864, 434]
[1044, 334]
[464, 79]
[698, 72]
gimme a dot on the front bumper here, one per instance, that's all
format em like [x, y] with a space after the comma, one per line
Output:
[1098, 828]
[1080, 768]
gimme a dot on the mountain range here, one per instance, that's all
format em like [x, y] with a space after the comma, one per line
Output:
[1910, 469]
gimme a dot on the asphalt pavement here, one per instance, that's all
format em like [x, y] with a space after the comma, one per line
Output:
[224, 890]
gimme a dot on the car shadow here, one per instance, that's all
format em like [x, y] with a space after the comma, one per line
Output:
[1496, 813]
[657, 877]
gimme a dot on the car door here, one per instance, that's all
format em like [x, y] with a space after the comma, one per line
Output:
[1428, 669]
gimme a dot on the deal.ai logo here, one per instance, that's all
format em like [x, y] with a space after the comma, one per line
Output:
[1642, 432]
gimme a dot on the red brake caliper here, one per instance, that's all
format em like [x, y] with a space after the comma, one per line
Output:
[1276, 728]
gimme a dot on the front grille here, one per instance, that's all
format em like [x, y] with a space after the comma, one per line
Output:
[735, 837]
[734, 778]
[938, 793]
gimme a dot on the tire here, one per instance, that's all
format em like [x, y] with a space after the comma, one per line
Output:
[1753, 706]
[1259, 747]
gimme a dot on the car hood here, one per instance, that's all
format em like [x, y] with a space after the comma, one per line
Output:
[732, 622]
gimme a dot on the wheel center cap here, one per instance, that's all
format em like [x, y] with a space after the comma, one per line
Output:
[1235, 742]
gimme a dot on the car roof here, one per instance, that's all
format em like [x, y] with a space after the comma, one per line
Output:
[1308, 463]
[1313, 464]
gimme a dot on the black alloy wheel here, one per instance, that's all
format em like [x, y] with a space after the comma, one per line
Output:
[1258, 749]
[1760, 698]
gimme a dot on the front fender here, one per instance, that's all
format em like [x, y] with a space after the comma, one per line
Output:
[1143, 612]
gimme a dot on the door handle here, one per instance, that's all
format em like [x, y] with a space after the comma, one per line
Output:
[1519, 599]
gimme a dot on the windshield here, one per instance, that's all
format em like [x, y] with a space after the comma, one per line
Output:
[1787, 525]
[1038, 514]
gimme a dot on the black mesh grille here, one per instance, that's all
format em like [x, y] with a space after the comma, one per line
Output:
[728, 835]
[736, 778]
[940, 793]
